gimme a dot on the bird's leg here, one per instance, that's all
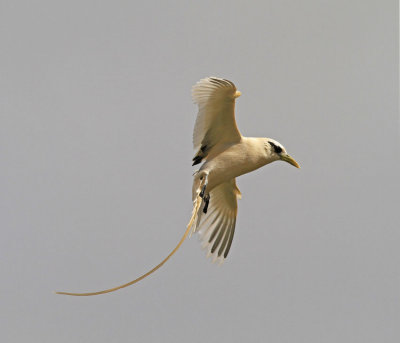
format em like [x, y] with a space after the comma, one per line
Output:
[204, 184]
[203, 190]
[206, 199]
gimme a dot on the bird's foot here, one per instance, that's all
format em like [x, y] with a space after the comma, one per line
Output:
[206, 199]
[203, 191]
[204, 184]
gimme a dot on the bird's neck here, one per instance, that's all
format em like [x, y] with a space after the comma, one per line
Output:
[257, 154]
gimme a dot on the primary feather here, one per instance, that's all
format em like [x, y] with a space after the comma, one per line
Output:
[217, 227]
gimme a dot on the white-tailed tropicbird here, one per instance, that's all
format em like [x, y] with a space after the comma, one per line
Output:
[226, 155]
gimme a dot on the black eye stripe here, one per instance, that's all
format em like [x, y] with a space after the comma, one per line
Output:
[277, 148]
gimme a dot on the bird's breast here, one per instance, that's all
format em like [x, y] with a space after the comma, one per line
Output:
[232, 162]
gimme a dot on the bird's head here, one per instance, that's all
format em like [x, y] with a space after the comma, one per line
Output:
[276, 151]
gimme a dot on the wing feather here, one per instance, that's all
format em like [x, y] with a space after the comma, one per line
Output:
[217, 227]
[215, 120]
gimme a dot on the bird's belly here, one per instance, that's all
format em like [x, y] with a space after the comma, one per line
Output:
[229, 165]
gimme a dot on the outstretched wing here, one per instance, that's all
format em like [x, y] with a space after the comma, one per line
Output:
[215, 120]
[217, 227]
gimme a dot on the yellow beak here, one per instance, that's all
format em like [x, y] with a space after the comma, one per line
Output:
[289, 159]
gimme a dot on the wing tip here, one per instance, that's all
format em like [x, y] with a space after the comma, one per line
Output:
[200, 90]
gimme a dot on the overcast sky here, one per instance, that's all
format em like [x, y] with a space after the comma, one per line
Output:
[95, 176]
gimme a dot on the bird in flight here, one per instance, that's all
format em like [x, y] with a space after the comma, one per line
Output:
[225, 154]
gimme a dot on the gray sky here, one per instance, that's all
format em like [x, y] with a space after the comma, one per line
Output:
[95, 144]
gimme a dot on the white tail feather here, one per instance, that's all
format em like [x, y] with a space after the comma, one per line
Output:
[189, 228]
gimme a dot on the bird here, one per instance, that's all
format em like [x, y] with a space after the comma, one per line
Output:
[225, 154]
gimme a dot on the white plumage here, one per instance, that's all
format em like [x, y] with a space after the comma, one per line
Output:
[217, 227]
[227, 155]
[215, 120]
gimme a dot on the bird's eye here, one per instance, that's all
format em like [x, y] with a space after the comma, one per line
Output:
[277, 148]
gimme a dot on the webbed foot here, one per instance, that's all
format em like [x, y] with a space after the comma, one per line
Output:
[207, 201]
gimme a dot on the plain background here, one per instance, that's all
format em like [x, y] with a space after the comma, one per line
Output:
[96, 128]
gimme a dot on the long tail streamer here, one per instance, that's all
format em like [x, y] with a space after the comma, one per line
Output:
[196, 207]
